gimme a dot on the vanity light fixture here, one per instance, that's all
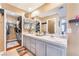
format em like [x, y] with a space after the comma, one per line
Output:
[29, 9]
[35, 13]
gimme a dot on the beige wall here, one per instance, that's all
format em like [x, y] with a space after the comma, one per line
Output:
[73, 36]
[11, 18]
[48, 6]
[1, 33]
[0, 5]
[28, 15]
[73, 41]
[72, 10]
[12, 8]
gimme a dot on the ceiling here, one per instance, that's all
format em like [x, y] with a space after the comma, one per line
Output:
[28, 7]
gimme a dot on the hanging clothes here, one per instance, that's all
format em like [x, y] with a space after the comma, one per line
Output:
[7, 29]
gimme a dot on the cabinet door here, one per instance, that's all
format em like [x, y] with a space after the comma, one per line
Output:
[33, 45]
[33, 50]
[40, 48]
[33, 42]
[27, 42]
[63, 51]
[53, 50]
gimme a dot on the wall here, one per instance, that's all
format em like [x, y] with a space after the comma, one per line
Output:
[72, 10]
[73, 34]
[48, 6]
[11, 18]
[12, 8]
[1, 33]
[0, 5]
[73, 41]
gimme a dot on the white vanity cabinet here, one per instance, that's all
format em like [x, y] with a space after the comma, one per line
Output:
[26, 42]
[40, 48]
[53, 50]
[33, 45]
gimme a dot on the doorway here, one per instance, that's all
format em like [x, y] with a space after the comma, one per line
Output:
[13, 31]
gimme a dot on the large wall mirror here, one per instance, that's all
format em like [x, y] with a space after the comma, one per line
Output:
[30, 26]
[51, 26]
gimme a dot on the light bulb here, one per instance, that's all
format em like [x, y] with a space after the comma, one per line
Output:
[29, 9]
[35, 13]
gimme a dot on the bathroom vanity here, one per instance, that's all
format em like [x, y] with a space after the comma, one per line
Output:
[37, 40]
[45, 45]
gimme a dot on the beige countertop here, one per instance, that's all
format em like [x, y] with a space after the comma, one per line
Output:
[53, 40]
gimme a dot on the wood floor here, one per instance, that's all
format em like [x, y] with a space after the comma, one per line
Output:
[15, 49]
[18, 51]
